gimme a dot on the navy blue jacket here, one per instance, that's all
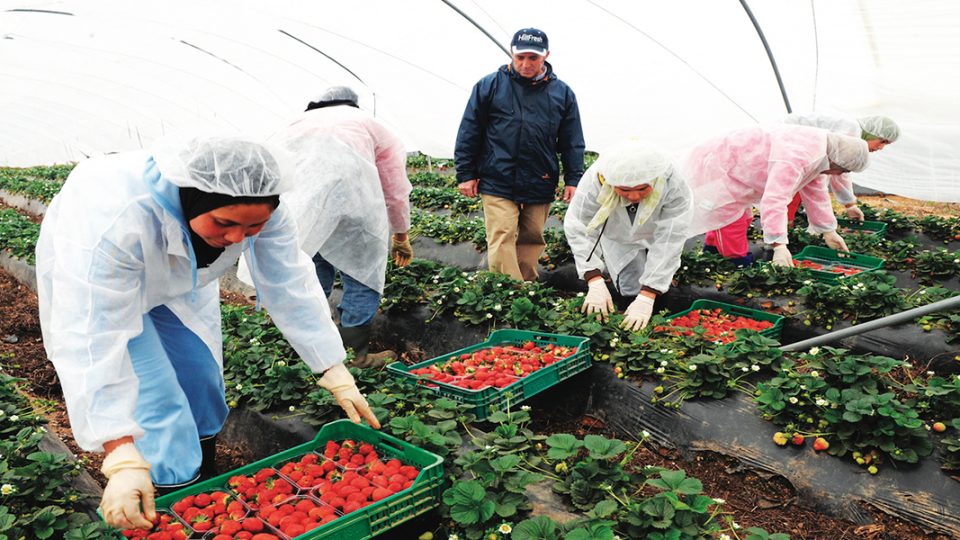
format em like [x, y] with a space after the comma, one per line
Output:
[511, 132]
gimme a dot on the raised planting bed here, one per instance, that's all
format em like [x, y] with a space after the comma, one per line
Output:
[508, 368]
[349, 483]
[828, 265]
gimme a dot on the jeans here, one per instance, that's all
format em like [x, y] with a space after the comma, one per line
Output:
[359, 303]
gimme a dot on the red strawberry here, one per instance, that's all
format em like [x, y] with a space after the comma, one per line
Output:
[797, 439]
[820, 444]
[252, 524]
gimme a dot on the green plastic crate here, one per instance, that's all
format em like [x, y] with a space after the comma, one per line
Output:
[773, 332]
[366, 522]
[876, 228]
[829, 258]
[486, 399]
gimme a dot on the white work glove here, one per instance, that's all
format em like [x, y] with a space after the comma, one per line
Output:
[598, 299]
[638, 313]
[854, 212]
[129, 489]
[340, 383]
[834, 241]
[782, 256]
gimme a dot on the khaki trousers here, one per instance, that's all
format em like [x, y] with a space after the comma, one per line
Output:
[514, 236]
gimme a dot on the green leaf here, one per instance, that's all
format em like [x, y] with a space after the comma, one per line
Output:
[538, 528]
[602, 447]
[563, 446]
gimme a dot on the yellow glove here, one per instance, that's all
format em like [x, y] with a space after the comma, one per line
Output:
[401, 250]
[340, 383]
[128, 489]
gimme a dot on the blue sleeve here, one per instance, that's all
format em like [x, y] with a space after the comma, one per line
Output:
[473, 128]
[570, 142]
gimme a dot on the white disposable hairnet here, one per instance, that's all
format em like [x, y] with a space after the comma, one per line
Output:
[848, 152]
[633, 163]
[339, 94]
[232, 165]
[880, 127]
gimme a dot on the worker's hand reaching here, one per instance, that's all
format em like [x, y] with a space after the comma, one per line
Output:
[782, 256]
[638, 313]
[340, 383]
[128, 489]
[854, 212]
[835, 241]
[598, 299]
[401, 250]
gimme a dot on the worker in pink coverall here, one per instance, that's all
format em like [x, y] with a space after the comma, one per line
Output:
[767, 167]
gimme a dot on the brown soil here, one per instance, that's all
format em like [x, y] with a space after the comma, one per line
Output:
[912, 207]
[752, 498]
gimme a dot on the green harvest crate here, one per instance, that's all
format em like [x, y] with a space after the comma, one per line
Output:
[368, 521]
[485, 399]
[755, 314]
[876, 228]
[830, 258]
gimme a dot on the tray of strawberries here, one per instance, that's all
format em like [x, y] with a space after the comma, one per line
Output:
[829, 266]
[511, 365]
[350, 482]
[720, 321]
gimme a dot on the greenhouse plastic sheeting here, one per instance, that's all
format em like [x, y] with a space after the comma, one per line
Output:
[79, 78]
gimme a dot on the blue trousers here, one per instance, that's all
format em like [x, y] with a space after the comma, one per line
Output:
[181, 396]
[359, 303]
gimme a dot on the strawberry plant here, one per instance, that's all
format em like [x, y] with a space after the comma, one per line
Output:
[448, 230]
[557, 250]
[677, 509]
[946, 229]
[699, 267]
[936, 266]
[852, 401]
[446, 198]
[896, 221]
[591, 470]
[766, 279]
[18, 235]
[22, 182]
[406, 287]
[859, 298]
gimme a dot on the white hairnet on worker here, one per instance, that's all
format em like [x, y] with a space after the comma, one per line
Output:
[879, 127]
[229, 165]
[847, 152]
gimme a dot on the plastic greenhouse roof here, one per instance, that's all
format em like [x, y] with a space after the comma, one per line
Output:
[80, 78]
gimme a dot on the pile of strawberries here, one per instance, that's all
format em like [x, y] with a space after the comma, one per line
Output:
[719, 326]
[496, 367]
[165, 527]
[264, 487]
[347, 477]
[834, 268]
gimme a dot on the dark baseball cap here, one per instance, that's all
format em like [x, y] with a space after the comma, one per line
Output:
[530, 40]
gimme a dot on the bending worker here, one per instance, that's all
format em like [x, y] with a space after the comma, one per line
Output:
[629, 218]
[128, 262]
[878, 131]
[768, 167]
[351, 203]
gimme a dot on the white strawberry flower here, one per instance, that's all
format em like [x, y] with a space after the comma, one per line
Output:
[7, 489]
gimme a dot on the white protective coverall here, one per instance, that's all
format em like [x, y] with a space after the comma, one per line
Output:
[351, 191]
[635, 252]
[113, 250]
[768, 166]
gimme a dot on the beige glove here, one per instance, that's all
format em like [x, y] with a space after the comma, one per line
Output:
[854, 212]
[340, 383]
[129, 489]
[401, 250]
[834, 241]
[782, 256]
[638, 313]
[598, 299]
